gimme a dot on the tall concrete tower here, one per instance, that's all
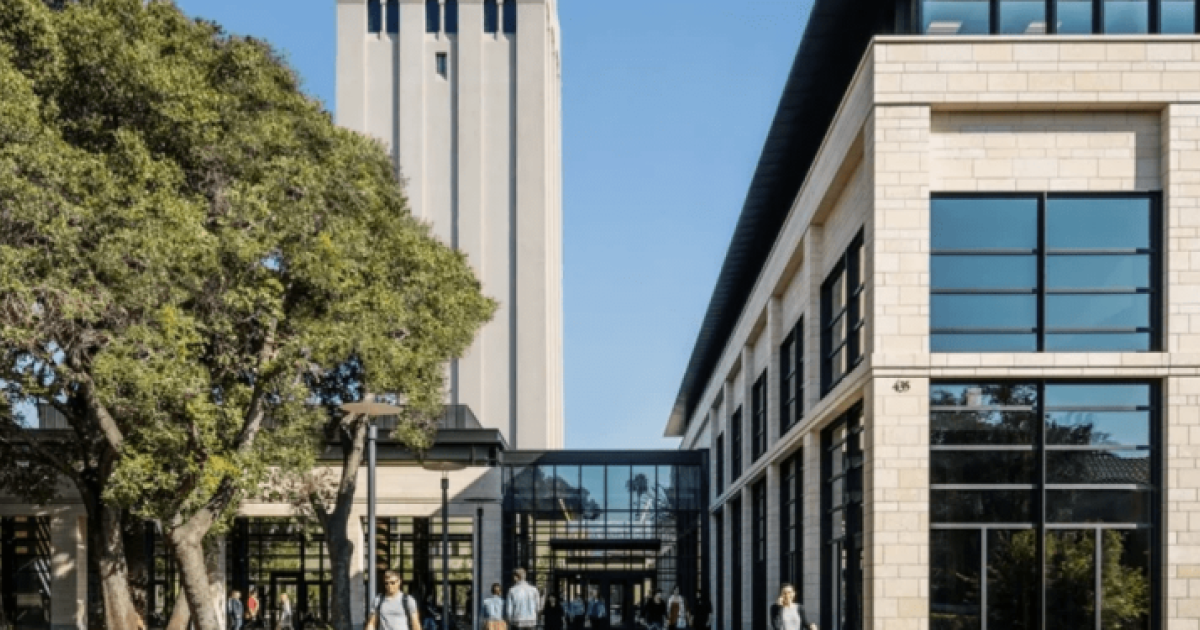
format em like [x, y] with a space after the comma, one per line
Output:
[466, 94]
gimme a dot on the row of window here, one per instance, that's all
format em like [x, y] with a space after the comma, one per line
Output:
[441, 16]
[1037, 17]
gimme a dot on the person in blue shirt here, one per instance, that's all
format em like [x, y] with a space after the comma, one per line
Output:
[493, 610]
[523, 602]
[235, 612]
[597, 611]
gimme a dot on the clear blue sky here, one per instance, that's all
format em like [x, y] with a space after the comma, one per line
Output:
[666, 104]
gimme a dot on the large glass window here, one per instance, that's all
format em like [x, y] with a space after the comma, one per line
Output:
[758, 417]
[452, 16]
[25, 575]
[510, 16]
[791, 378]
[491, 16]
[1042, 483]
[1178, 16]
[1126, 16]
[720, 452]
[791, 488]
[374, 16]
[841, 316]
[393, 16]
[1022, 17]
[1044, 272]
[735, 445]
[956, 17]
[735, 562]
[1075, 17]
[433, 16]
[842, 524]
[758, 585]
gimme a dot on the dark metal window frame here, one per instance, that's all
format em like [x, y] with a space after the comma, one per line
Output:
[758, 417]
[720, 467]
[851, 310]
[450, 18]
[1155, 252]
[719, 538]
[735, 445]
[758, 557]
[393, 17]
[1154, 17]
[791, 378]
[850, 586]
[791, 523]
[1041, 485]
[735, 562]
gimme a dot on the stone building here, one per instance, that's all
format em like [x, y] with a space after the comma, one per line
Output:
[949, 374]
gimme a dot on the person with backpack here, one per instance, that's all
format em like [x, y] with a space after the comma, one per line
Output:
[393, 610]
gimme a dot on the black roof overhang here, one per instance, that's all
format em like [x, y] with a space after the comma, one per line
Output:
[468, 447]
[837, 36]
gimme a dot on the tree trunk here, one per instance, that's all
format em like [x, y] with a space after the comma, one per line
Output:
[337, 523]
[106, 536]
[187, 541]
[181, 616]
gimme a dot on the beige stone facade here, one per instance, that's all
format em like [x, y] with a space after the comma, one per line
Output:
[964, 114]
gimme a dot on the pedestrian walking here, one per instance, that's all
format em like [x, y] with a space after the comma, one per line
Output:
[597, 611]
[521, 607]
[493, 610]
[393, 610]
[701, 614]
[655, 611]
[235, 611]
[676, 609]
[252, 609]
[576, 614]
[554, 616]
[285, 613]
[786, 614]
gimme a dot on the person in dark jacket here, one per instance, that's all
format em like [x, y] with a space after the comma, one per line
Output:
[554, 616]
[701, 613]
[235, 611]
[787, 614]
[654, 612]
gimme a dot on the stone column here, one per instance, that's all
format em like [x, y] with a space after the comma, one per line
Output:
[68, 570]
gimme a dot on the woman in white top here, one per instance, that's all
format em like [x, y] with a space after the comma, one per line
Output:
[786, 614]
[676, 609]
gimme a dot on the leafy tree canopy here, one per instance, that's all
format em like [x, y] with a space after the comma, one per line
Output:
[188, 242]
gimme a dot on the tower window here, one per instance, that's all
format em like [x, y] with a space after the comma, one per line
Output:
[374, 16]
[451, 16]
[393, 16]
[491, 16]
[443, 65]
[510, 16]
[433, 16]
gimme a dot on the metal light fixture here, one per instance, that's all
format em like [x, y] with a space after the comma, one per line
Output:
[445, 467]
[371, 408]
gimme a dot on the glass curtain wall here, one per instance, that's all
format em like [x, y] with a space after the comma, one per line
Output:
[412, 546]
[1071, 17]
[25, 573]
[620, 529]
[280, 555]
[842, 523]
[1043, 505]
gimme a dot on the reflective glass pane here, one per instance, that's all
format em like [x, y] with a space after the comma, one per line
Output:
[1071, 579]
[1097, 311]
[1075, 17]
[982, 506]
[985, 223]
[1098, 395]
[1098, 467]
[1098, 506]
[1178, 17]
[955, 17]
[954, 577]
[665, 496]
[1013, 579]
[544, 488]
[1002, 428]
[1108, 342]
[1088, 272]
[1017, 312]
[644, 479]
[592, 478]
[983, 272]
[975, 467]
[945, 342]
[1125, 580]
[1004, 394]
[1126, 16]
[1092, 223]
[619, 488]
[1023, 17]
[1087, 428]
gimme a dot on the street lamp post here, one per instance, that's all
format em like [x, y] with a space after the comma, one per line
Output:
[445, 467]
[371, 408]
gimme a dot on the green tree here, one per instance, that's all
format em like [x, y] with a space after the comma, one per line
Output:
[186, 241]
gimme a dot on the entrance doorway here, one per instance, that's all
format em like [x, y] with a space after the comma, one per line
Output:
[621, 591]
[310, 599]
